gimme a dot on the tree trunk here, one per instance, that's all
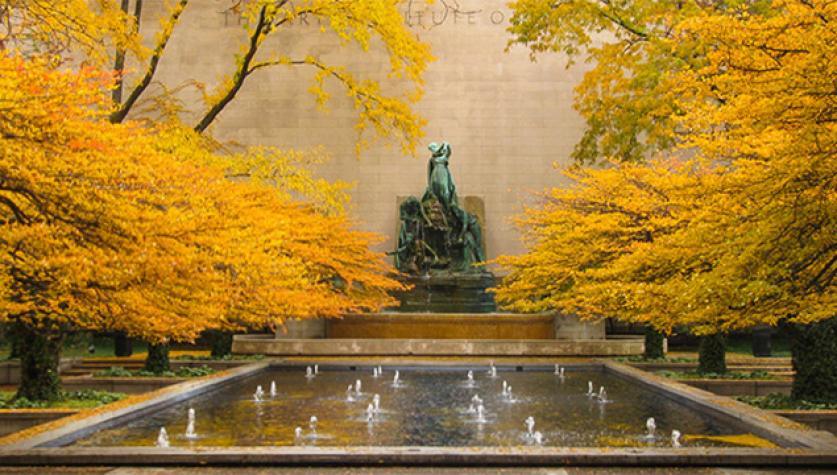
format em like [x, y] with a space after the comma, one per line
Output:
[39, 358]
[712, 354]
[13, 337]
[122, 345]
[653, 344]
[158, 358]
[814, 352]
[761, 341]
[220, 342]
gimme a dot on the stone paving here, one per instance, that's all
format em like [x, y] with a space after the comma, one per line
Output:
[405, 471]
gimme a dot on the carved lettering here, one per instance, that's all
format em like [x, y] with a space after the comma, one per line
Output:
[440, 13]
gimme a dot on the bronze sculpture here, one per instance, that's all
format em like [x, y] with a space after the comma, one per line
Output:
[436, 234]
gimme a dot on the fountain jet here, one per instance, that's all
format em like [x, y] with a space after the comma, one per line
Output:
[650, 427]
[163, 438]
[312, 424]
[481, 414]
[190, 425]
[675, 438]
[309, 372]
[530, 426]
[273, 389]
[259, 394]
[602, 396]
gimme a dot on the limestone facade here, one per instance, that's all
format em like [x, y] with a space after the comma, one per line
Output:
[509, 119]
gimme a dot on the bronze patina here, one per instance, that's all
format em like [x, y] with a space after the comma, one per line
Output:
[436, 234]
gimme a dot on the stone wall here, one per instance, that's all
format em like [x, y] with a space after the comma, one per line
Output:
[508, 119]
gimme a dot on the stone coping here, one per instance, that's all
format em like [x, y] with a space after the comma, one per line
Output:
[418, 456]
[107, 418]
[807, 447]
[760, 422]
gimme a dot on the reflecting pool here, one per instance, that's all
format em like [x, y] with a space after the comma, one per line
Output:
[427, 406]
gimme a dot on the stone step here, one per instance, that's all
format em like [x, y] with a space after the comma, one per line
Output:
[267, 345]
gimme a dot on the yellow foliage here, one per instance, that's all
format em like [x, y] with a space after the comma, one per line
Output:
[98, 32]
[744, 232]
[363, 24]
[151, 231]
[62, 28]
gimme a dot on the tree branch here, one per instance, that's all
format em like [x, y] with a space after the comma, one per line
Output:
[240, 75]
[120, 114]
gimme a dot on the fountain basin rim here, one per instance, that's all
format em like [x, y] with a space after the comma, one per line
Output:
[792, 436]
[75, 429]
[418, 456]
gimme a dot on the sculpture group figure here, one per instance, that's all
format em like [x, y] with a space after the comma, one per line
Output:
[436, 233]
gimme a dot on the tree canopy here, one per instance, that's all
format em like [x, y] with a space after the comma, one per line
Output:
[735, 224]
[150, 231]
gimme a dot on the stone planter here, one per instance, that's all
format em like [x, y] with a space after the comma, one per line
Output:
[663, 366]
[819, 419]
[741, 387]
[217, 365]
[10, 370]
[119, 385]
[13, 420]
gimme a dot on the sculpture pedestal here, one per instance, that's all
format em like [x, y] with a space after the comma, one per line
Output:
[448, 293]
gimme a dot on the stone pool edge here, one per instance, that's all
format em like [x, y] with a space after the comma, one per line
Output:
[44, 449]
[54, 438]
[418, 456]
[767, 424]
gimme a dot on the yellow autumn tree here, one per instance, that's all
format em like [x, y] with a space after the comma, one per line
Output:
[626, 97]
[579, 237]
[751, 236]
[147, 231]
[106, 33]
[89, 29]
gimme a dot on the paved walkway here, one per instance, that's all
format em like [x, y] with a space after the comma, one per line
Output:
[404, 471]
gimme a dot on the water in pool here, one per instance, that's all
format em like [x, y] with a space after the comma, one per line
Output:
[425, 407]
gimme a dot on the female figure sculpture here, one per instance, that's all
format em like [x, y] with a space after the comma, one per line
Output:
[436, 233]
[439, 179]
